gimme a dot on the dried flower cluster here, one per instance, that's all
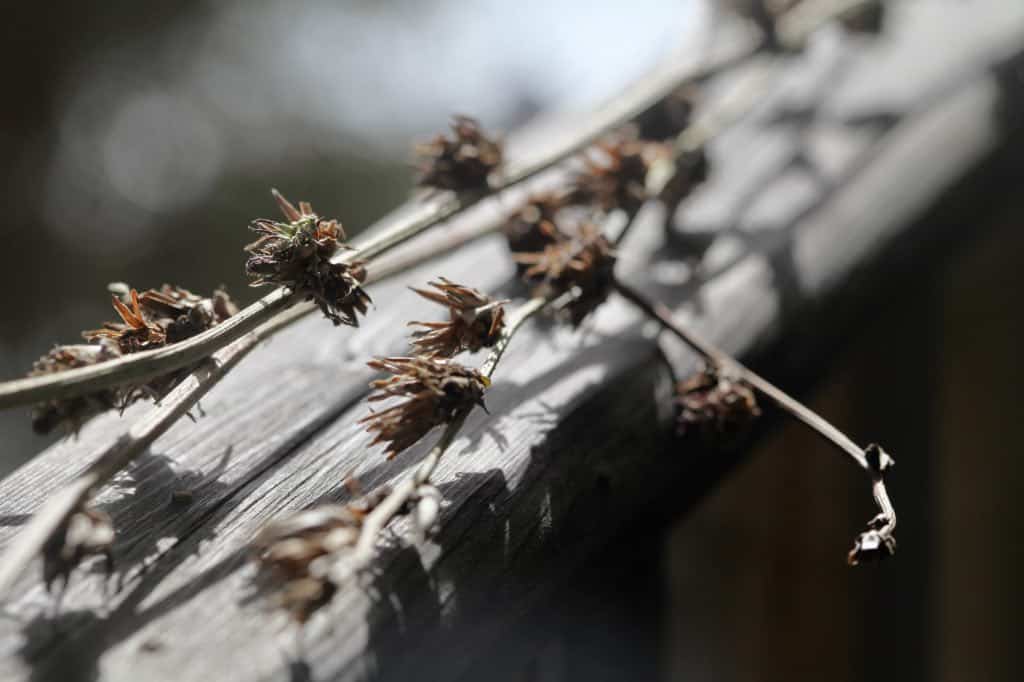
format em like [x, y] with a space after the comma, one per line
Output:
[475, 321]
[532, 227]
[717, 405]
[461, 163]
[583, 262]
[299, 551]
[87, 532]
[150, 320]
[435, 392]
[297, 254]
[615, 175]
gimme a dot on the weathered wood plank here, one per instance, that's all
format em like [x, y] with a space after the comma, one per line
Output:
[806, 195]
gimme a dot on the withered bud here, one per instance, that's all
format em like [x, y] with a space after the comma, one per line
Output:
[462, 162]
[435, 393]
[716, 404]
[874, 544]
[615, 174]
[532, 227]
[476, 321]
[691, 170]
[87, 532]
[583, 262]
[297, 254]
[72, 413]
[297, 552]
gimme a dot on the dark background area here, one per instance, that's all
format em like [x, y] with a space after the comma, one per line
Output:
[137, 143]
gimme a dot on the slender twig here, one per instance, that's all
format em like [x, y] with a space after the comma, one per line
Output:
[382, 514]
[871, 459]
[387, 233]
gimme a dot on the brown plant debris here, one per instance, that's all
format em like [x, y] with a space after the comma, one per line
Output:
[152, 319]
[716, 404]
[462, 162]
[583, 262]
[85, 533]
[297, 552]
[435, 393]
[297, 254]
[475, 321]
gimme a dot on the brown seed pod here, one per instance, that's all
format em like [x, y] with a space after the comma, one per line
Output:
[297, 254]
[460, 163]
[476, 321]
[297, 551]
[435, 392]
[87, 532]
[716, 405]
[584, 261]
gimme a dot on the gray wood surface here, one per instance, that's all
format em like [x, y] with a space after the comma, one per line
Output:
[808, 198]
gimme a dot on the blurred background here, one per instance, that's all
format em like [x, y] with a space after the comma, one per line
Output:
[139, 139]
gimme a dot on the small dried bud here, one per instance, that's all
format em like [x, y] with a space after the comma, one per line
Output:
[476, 321]
[87, 532]
[532, 227]
[72, 413]
[691, 170]
[435, 392]
[715, 403]
[618, 177]
[298, 551]
[668, 117]
[461, 163]
[297, 254]
[874, 544]
[584, 262]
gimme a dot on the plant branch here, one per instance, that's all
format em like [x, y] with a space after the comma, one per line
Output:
[392, 230]
[873, 460]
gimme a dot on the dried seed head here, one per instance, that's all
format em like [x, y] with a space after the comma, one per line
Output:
[153, 319]
[716, 404]
[72, 413]
[297, 254]
[462, 162]
[583, 262]
[532, 227]
[435, 392]
[617, 177]
[297, 552]
[87, 532]
[476, 321]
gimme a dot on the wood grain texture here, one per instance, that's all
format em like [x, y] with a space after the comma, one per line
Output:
[808, 197]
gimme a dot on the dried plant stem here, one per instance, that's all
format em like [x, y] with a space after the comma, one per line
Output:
[377, 520]
[137, 440]
[728, 364]
[389, 232]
